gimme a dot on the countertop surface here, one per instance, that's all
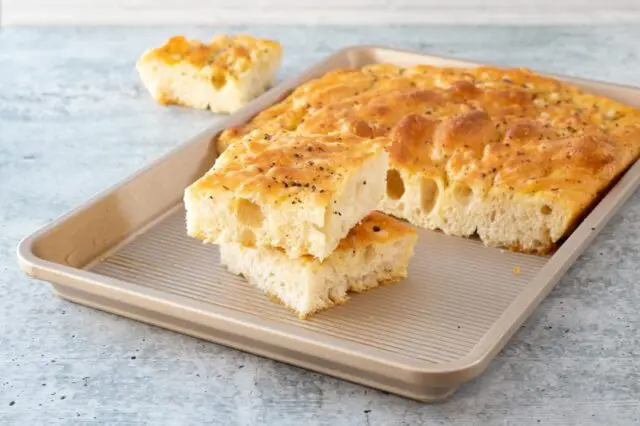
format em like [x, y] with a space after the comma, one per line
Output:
[74, 119]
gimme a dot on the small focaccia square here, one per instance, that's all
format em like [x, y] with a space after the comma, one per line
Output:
[221, 76]
[299, 193]
[376, 251]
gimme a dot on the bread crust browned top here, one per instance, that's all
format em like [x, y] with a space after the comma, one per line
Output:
[508, 131]
[376, 228]
[289, 167]
[224, 56]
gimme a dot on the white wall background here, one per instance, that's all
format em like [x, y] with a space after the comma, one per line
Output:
[347, 12]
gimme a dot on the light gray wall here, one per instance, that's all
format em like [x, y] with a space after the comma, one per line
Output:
[143, 12]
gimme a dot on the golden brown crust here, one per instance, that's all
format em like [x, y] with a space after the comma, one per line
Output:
[225, 56]
[376, 228]
[510, 131]
[288, 167]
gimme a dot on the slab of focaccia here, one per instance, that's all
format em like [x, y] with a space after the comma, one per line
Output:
[377, 250]
[297, 193]
[221, 76]
[510, 155]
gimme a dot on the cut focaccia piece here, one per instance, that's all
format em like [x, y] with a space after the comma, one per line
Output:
[299, 193]
[376, 251]
[221, 76]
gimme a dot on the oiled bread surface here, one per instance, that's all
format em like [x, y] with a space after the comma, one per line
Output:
[508, 154]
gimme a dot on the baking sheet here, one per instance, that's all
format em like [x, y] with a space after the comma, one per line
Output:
[126, 252]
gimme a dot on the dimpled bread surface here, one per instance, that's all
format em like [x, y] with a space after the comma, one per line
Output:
[299, 193]
[510, 155]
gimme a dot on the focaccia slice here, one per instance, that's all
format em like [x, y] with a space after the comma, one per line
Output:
[377, 250]
[221, 76]
[299, 193]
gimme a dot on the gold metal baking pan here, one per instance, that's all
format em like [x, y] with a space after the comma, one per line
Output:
[126, 252]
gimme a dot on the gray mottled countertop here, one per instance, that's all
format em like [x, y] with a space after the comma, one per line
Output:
[74, 119]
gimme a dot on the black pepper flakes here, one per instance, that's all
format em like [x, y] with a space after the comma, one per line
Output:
[376, 228]
[267, 136]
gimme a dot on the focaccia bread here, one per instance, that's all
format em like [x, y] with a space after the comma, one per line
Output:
[221, 76]
[299, 193]
[376, 251]
[508, 154]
